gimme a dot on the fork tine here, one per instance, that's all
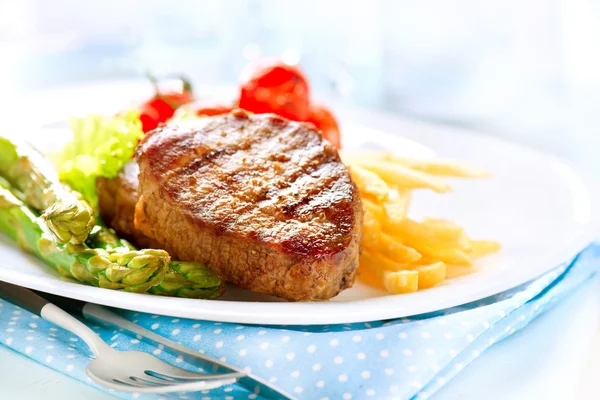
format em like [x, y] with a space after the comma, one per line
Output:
[213, 384]
[149, 380]
[137, 385]
[178, 374]
[129, 382]
[212, 377]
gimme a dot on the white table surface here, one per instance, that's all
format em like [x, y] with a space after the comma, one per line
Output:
[555, 357]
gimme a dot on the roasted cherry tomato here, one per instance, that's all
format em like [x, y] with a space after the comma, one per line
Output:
[275, 87]
[324, 120]
[161, 107]
[149, 117]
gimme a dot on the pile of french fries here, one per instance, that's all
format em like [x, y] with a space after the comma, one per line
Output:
[399, 254]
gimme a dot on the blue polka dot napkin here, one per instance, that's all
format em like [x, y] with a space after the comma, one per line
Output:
[399, 359]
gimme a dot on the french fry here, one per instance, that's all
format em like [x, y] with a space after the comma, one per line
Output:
[430, 255]
[481, 248]
[370, 277]
[401, 176]
[431, 275]
[396, 205]
[379, 263]
[370, 184]
[412, 232]
[371, 230]
[396, 251]
[401, 255]
[401, 282]
[463, 243]
[417, 234]
[435, 166]
[449, 227]
[449, 231]
[375, 209]
[439, 167]
[435, 229]
[449, 256]
[408, 229]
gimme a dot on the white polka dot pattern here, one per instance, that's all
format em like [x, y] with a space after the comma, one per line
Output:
[400, 359]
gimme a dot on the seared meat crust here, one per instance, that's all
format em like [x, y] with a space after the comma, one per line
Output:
[264, 201]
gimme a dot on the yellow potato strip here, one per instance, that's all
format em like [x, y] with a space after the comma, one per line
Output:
[370, 183]
[439, 167]
[396, 251]
[449, 256]
[481, 248]
[401, 255]
[396, 206]
[370, 277]
[431, 275]
[464, 243]
[375, 209]
[449, 227]
[401, 282]
[450, 232]
[431, 254]
[379, 263]
[371, 230]
[401, 176]
[417, 232]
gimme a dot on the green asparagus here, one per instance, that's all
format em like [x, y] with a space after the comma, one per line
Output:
[191, 280]
[120, 269]
[183, 279]
[68, 217]
[76, 243]
[102, 237]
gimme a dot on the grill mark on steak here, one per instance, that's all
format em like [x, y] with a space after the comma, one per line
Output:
[239, 178]
[208, 158]
[264, 201]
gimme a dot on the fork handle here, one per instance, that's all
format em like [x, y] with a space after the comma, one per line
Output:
[36, 304]
[23, 298]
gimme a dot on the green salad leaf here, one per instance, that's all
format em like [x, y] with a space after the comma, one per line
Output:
[101, 146]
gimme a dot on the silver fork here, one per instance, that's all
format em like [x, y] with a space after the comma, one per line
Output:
[103, 316]
[130, 371]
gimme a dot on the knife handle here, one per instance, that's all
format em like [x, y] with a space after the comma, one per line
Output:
[73, 307]
[22, 297]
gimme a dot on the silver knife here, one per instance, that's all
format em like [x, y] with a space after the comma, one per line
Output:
[101, 315]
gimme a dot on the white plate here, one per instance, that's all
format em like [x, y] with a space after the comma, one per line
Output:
[536, 205]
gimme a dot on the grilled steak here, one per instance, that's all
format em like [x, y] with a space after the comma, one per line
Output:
[264, 201]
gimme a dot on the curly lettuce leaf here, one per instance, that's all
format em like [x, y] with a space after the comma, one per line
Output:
[101, 146]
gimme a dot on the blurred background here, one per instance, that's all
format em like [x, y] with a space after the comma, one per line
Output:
[527, 70]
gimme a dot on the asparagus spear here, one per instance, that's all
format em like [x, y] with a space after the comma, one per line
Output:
[183, 278]
[191, 280]
[107, 261]
[102, 237]
[120, 269]
[68, 217]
